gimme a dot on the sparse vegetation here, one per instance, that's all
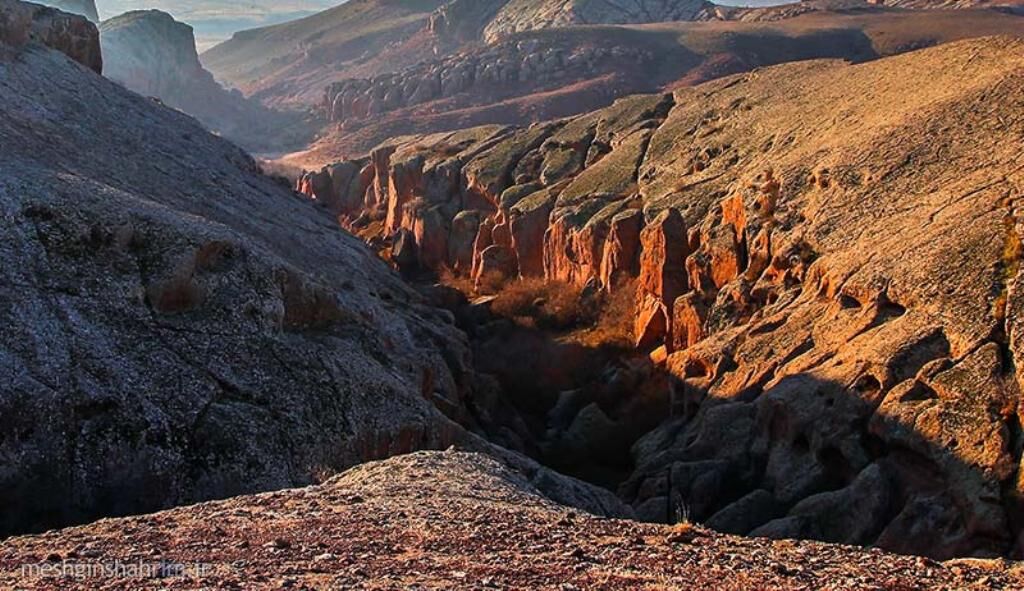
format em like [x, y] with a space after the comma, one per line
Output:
[545, 304]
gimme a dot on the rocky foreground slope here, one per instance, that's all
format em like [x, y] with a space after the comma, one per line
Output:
[448, 520]
[178, 327]
[827, 259]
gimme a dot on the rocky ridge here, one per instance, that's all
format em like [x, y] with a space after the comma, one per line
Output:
[179, 327]
[528, 62]
[539, 75]
[833, 301]
[516, 16]
[451, 520]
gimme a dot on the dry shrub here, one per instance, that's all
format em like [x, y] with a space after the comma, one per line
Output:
[214, 255]
[449, 278]
[492, 283]
[615, 319]
[176, 295]
[544, 304]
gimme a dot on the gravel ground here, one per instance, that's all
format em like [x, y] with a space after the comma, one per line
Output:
[446, 520]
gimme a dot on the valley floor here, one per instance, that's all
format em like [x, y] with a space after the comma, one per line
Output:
[447, 520]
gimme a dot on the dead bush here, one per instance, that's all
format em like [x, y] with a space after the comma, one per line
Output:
[176, 295]
[615, 318]
[537, 302]
[492, 283]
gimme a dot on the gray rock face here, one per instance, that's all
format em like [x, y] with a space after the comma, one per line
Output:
[178, 327]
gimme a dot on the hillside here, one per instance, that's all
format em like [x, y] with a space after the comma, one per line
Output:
[287, 62]
[825, 259]
[558, 73]
[517, 16]
[179, 327]
[154, 55]
[293, 62]
[453, 521]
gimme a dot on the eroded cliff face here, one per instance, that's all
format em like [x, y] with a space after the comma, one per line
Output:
[178, 327]
[827, 258]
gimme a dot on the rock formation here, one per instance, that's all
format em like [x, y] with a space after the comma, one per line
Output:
[528, 15]
[178, 327]
[23, 23]
[452, 520]
[827, 266]
[150, 53]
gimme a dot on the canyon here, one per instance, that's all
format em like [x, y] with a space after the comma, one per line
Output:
[689, 295]
[179, 327]
[826, 302]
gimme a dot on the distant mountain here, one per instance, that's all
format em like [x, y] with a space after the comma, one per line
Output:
[154, 55]
[216, 20]
[824, 257]
[294, 61]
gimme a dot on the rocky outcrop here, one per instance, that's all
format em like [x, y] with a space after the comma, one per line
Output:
[832, 301]
[527, 15]
[476, 523]
[22, 23]
[179, 327]
[154, 55]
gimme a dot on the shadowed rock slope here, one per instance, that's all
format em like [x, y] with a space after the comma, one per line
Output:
[449, 520]
[178, 327]
[827, 258]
